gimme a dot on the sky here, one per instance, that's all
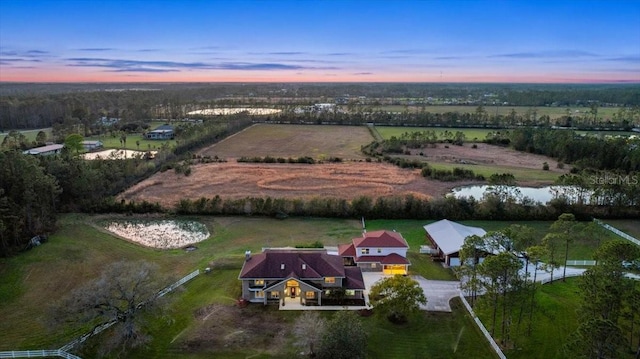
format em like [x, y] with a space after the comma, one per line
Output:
[518, 41]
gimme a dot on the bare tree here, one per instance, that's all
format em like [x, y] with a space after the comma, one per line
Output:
[122, 294]
[309, 329]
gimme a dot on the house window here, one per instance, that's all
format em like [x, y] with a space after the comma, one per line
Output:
[258, 282]
[275, 294]
[373, 265]
[350, 292]
[364, 251]
[310, 295]
[327, 292]
[379, 250]
[330, 280]
[260, 294]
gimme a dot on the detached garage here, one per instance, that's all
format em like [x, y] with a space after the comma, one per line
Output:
[447, 237]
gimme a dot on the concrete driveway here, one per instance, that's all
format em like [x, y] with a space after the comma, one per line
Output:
[438, 292]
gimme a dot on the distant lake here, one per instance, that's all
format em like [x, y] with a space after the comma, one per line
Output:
[542, 194]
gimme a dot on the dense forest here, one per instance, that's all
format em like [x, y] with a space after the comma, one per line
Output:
[24, 106]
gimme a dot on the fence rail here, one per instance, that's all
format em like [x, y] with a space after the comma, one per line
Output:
[617, 231]
[38, 354]
[585, 262]
[484, 330]
[106, 325]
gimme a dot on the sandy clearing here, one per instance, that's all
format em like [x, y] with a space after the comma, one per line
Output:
[114, 154]
[234, 110]
[239, 180]
[487, 155]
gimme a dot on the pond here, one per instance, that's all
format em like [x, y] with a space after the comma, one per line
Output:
[542, 194]
[165, 234]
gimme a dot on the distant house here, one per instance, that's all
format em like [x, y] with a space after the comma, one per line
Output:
[164, 132]
[447, 237]
[91, 145]
[303, 276]
[384, 251]
[107, 121]
[45, 150]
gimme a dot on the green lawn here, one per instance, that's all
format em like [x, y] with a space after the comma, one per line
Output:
[30, 134]
[114, 142]
[521, 174]
[32, 281]
[472, 134]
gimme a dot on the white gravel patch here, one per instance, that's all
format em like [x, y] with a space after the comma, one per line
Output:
[165, 234]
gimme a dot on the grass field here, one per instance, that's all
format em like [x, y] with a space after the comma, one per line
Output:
[628, 226]
[114, 142]
[472, 134]
[553, 112]
[294, 141]
[30, 134]
[32, 281]
[522, 175]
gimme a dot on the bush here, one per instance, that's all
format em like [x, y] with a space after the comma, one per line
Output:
[545, 166]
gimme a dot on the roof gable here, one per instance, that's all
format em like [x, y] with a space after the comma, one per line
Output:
[382, 239]
[292, 264]
[450, 236]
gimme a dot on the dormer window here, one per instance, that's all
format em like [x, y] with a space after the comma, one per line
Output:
[304, 266]
[364, 251]
[282, 266]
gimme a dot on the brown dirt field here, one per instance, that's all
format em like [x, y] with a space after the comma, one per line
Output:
[293, 141]
[346, 180]
[487, 155]
[229, 328]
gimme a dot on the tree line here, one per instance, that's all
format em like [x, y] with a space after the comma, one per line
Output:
[34, 189]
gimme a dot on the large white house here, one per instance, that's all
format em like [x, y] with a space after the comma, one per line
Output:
[383, 251]
[447, 237]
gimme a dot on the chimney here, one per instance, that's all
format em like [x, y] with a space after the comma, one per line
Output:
[247, 255]
[304, 266]
[282, 266]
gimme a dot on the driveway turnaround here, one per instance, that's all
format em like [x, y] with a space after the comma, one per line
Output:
[438, 292]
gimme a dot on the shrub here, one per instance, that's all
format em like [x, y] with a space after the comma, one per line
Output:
[545, 166]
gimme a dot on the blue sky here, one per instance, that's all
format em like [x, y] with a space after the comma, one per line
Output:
[430, 41]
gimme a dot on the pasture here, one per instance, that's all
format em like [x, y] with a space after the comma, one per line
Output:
[489, 159]
[552, 112]
[472, 134]
[135, 141]
[286, 141]
[30, 134]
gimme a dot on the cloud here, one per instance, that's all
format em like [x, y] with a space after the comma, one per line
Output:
[96, 49]
[362, 73]
[405, 51]
[287, 53]
[545, 54]
[117, 65]
[142, 69]
[37, 52]
[628, 58]
[339, 54]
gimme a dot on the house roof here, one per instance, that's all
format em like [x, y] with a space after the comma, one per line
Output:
[380, 239]
[163, 128]
[47, 148]
[346, 250]
[449, 235]
[299, 264]
[392, 258]
[354, 278]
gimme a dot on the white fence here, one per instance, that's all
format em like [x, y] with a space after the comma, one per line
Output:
[106, 325]
[617, 231]
[581, 263]
[484, 330]
[38, 354]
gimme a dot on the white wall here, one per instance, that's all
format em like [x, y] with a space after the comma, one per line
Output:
[373, 251]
